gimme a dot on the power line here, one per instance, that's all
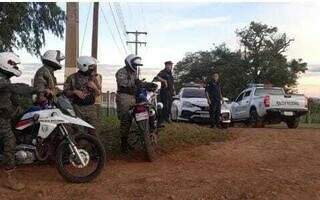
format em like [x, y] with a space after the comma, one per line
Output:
[144, 25]
[108, 25]
[85, 29]
[143, 17]
[115, 22]
[121, 19]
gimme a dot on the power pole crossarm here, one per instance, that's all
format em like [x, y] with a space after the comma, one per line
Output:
[130, 42]
[135, 32]
[136, 42]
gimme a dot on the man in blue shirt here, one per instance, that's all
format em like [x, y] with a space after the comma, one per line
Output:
[214, 96]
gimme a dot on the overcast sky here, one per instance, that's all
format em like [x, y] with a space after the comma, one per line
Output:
[176, 28]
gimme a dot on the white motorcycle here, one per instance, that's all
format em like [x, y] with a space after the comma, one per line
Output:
[42, 134]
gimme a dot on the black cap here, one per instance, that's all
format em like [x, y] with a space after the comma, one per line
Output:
[168, 62]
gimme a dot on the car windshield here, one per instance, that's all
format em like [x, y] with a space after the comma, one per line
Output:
[272, 91]
[193, 93]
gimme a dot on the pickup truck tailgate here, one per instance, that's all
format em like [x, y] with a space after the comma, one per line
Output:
[288, 102]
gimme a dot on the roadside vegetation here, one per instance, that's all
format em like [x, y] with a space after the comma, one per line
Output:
[174, 136]
[260, 58]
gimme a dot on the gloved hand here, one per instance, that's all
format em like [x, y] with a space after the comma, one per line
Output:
[138, 82]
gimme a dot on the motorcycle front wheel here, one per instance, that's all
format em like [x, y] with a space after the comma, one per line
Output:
[92, 154]
[149, 140]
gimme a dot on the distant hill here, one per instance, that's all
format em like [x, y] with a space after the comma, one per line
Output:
[108, 72]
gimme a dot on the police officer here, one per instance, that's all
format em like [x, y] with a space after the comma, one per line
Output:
[8, 110]
[44, 79]
[167, 90]
[126, 82]
[82, 88]
[214, 96]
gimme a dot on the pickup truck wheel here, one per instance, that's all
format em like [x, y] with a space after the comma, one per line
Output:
[255, 120]
[293, 123]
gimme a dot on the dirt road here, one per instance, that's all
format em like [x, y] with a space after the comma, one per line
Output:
[265, 163]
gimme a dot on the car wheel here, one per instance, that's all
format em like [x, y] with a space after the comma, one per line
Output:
[255, 120]
[174, 114]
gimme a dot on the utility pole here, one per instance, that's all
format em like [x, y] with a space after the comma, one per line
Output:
[72, 38]
[95, 24]
[136, 42]
[94, 51]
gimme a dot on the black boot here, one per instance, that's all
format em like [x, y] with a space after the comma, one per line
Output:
[124, 145]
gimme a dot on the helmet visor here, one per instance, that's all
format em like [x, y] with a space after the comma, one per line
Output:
[137, 62]
[15, 67]
[60, 57]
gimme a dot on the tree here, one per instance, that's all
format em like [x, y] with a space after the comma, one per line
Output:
[23, 25]
[263, 50]
[260, 59]
[197, 67]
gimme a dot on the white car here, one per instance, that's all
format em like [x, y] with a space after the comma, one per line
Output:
[191, 105]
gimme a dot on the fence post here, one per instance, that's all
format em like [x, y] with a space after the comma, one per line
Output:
[108, 103]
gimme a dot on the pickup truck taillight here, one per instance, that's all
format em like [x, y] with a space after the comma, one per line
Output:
[266, 101]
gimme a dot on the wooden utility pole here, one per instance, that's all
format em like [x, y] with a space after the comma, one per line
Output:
[95, 24]
[72, 38]
[94, 49]
[136, 42]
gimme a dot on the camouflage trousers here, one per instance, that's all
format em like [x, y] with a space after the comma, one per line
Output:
[124, 103]
[89, 114]
[8, 142]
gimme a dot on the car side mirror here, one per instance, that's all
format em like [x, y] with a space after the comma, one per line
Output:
[176, 97]
[225, 99]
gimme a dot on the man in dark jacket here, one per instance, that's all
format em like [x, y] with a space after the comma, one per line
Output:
[44, 79]
[82, 88]
[126, 77]
[214, 96]
[167, 90]
[8, 110]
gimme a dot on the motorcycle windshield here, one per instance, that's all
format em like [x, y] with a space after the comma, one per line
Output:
[64, 104]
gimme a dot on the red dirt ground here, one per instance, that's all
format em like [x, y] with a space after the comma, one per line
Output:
[270, 163]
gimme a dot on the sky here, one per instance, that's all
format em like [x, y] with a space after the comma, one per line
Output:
[177, 28]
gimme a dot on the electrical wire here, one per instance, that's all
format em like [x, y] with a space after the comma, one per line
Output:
[122, 22]
[112, 35]
[115, 22]
[85, 29]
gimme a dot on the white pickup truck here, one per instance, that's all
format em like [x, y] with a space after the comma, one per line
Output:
[259, 104]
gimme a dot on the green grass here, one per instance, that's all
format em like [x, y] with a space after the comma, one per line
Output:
[174, 136]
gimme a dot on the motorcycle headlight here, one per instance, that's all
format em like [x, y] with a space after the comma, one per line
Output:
[187, 104]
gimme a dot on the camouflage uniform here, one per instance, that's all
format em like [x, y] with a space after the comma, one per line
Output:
[7, 111]
[88, 113]
[45, 79]
[125, 98]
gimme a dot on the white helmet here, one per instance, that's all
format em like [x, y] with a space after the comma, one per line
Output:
[86, 63]
[53, 58]
[9, 64]
[133, 61]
